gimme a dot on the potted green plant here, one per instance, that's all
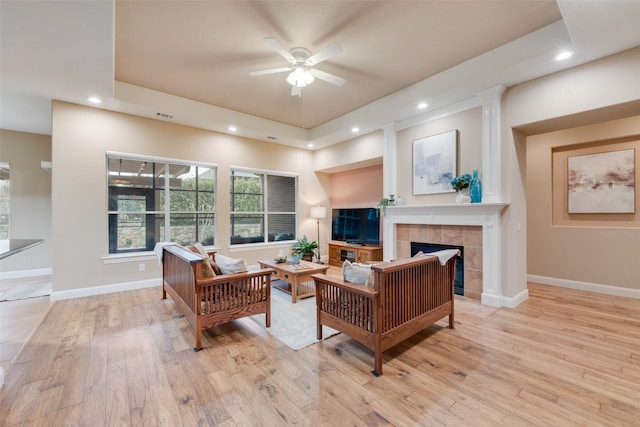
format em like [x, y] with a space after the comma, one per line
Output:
[384, 202]
[304, 248]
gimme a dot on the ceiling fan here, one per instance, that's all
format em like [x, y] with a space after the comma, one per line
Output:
[301, 71]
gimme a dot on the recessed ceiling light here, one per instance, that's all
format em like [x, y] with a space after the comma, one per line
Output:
[310, 145]
[563, 55]
[422, 105]
[355, 129]
[232, 129]
[94, 100]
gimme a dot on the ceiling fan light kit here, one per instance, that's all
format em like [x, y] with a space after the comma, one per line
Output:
[300, 76]
[301, 71]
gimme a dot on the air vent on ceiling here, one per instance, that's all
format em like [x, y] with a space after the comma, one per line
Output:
[164, 115]
[271, 137]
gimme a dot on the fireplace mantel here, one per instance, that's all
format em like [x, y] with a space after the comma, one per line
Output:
[485, 215]
[446, 214]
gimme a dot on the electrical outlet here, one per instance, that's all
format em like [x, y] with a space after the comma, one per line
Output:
[141, 267]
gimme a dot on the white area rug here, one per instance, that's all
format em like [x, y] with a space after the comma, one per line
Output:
[30, 290]
[293, 324]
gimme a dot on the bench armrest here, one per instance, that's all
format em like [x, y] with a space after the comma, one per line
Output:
[223, 278]
[343, 285]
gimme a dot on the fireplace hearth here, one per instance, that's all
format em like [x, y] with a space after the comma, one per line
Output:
[455, 223]
[425, 247]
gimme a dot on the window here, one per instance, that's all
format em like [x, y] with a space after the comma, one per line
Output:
[4, 200]
[263, 207]
[156, 200]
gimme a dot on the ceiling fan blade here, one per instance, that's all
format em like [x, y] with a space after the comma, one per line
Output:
[322, 75]
[296, 91]
[333, 49]
[275, 44]
[269, 71]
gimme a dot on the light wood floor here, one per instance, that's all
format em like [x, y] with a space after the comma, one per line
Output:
[562, 357]
[19, 319]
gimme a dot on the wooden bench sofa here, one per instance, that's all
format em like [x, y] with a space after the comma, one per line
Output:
[212, 301]
[406, 297]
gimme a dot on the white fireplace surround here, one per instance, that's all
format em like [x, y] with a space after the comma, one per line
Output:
[486, 215]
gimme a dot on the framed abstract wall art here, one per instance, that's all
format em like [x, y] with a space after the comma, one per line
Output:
[434, 163]
[602, 182]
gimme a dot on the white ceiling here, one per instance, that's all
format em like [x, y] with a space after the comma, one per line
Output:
[191, 60]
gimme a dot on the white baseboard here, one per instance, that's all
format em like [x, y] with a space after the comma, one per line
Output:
[502, 301]
[106, 289]
[20, 274]
[585, 286]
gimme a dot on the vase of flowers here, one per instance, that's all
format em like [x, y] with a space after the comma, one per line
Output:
[459, 183]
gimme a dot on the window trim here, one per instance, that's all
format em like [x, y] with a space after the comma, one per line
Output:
[265, 213]
[263, 171]
[158, 160]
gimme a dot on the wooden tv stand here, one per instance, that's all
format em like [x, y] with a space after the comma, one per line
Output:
[341, 251]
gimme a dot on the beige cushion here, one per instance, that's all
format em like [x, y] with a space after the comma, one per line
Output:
[360, 274]
[230, 265]
[207, 268]
[202, 251]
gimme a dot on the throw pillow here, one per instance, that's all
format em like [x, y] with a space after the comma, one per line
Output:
[215, 266]
[207, 269]
[360, 274]
[202, 251]
[230, 265]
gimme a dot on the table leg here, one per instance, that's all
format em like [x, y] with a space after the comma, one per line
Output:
[294, 289]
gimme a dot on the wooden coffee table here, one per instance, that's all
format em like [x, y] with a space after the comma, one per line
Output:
[296, 277]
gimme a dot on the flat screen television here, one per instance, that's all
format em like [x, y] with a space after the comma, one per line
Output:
[356, 226]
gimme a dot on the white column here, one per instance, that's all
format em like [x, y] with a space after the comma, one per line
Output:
[390, 161]
[491, 265]
[389, 241]
[491, 144]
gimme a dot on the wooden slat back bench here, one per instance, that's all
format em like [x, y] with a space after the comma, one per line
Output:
[213, 301]
[406, 297]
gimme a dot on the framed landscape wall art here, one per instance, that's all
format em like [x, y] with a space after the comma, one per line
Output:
[602, 182]
[434, 163]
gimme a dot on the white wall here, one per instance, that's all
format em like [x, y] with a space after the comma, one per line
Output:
[469, 126]
[82, 136]
[602, 84]
[594, 248]
[557, 100]
[30, 210]
[362, 151]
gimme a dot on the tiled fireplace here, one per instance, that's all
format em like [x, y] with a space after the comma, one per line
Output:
[475, 226]
[468, 237]
[425, 248]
